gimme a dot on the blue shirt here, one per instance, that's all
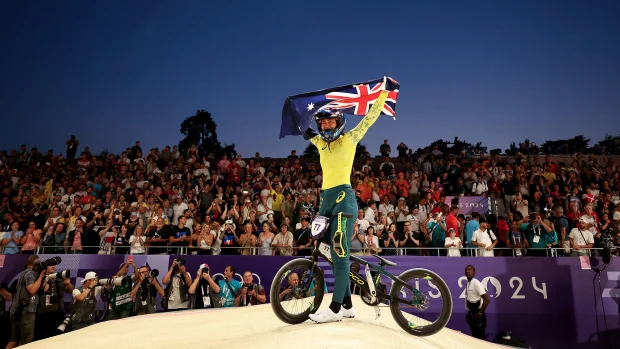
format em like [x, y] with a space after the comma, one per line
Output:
[12, 247]
[225, 293]
[470, 228]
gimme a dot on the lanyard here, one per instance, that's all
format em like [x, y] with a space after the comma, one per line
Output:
[516, 237]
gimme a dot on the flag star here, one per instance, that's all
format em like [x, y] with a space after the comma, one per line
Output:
[310, 106]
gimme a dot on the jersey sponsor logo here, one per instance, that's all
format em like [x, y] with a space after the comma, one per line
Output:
[341, 196]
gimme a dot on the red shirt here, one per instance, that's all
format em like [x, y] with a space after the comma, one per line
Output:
[452, 222]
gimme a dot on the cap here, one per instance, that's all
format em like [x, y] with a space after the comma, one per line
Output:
[583, 220]
[204, 265]
[89, 276]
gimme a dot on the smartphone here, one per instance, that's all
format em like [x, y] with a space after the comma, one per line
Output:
[130, 259]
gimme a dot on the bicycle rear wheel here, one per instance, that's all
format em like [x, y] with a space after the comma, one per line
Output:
[426, 317]
[305, 285]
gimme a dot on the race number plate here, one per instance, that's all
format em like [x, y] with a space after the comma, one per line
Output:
[319, 223]
[325, 250]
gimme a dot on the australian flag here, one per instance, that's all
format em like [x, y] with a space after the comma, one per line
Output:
[354, 99]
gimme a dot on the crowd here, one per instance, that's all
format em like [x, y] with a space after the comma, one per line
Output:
[168, 202]
[165, 201]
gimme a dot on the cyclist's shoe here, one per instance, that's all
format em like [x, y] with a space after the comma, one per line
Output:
[326, 315]
[348, 313]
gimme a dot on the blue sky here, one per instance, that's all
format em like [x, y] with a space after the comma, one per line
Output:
[115, 72]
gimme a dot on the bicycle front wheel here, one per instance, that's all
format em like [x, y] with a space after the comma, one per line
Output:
[428, 310]
[297, 291]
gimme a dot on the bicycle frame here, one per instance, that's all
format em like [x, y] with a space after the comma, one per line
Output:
[366, 282]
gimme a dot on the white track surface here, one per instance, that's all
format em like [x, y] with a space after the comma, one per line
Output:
[256, 328]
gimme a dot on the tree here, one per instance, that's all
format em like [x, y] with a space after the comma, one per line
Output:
[200, 130]
[609, 145]
[578, 144]
[455, 147]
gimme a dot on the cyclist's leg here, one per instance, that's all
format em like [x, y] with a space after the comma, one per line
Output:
[341, 233]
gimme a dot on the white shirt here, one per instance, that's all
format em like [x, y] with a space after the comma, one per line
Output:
[474, 291]
[363, 224]
[135, 245]
[482, 237]
[581, 238]
[370, 215]
[77, 292]
[453, 251]
[179, 210]
[386, 208]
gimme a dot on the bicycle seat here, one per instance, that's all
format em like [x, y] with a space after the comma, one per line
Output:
[384, 261]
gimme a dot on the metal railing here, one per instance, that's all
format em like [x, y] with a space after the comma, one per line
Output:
[385, 251]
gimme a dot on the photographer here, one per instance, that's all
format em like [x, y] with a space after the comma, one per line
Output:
[85, 302]
[145, 291]
[202, 291]
[5, 296]
[121, 302]
[24, 305]
[51, 305]
[177, 281]
[251, 293]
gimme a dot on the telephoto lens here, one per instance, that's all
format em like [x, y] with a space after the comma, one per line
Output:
[63, 275]
[154, 273]
[64, 324]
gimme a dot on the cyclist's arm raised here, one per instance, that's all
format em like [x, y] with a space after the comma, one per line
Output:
[360, 130]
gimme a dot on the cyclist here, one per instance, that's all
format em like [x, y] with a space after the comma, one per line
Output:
[337, 152]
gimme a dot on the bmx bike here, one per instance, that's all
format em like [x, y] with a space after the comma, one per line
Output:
[300, 286]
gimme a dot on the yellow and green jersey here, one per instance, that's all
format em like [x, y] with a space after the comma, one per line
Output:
[337, 157]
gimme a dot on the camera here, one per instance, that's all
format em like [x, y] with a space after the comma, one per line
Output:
[4, 286]
[63, 275]
[64, 323]
[152, 274]
[120, 281]
[205, 270]
[250, 287]
[180, 261]
[39, 267]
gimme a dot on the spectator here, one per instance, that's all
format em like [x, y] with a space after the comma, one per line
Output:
[581, 238]
[485, 240]
[453, 243]
[385, 149]
[283, 242]
[12, 239]
[228, 288]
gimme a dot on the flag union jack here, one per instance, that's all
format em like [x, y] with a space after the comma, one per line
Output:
[362, 99]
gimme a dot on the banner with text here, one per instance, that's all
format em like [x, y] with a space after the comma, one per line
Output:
[469, 204]
[548, 302]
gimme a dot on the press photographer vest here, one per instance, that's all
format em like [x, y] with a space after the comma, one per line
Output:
[146, 299]
[84, 311]
[183, 288]
[121, 298]
[197, 300]
[52, 300]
